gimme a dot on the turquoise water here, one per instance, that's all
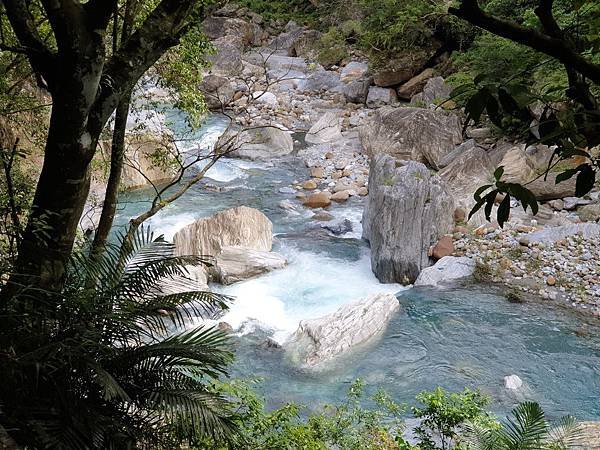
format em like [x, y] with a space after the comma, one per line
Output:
[452, 338]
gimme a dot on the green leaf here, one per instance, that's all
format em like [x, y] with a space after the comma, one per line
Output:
[481, 190]
[503, 211]
[567, 174]
[585, 180]
[476, 105]
[498, 173]
[489, 203]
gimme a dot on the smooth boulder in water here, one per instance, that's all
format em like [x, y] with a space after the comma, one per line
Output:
[318, 341]
[241, 226]
[235, 264]
[408, 210]
[261, 143]
[447, 269]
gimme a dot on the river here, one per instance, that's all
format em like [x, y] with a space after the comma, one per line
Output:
[454, 338]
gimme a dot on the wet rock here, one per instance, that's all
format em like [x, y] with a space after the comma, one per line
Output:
[318, 200]
[256, 143]
[236, 263]
[241, 226]
[414, 134]
[449, 268]
[322, 216]
[339, 228]
[513, 382]
[318, 341]
[408, 210]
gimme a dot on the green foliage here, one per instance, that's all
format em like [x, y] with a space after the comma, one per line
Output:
[16, 194]
[97, 365]
[527, 429]
[180, 71]
[332, 48]
[509, 105]
[443, 414]
[281, 10]
[394, 25]
[348, 426]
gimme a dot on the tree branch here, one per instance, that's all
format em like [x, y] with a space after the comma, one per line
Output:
[41, 58]
[161, 30]
[99, 12]
[560, 49]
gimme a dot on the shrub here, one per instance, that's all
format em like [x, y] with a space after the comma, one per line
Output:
[332, 48]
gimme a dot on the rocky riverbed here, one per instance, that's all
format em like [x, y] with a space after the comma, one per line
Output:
[340, 118]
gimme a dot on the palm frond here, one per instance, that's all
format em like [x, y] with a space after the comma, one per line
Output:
[564, 435]
[526, 429]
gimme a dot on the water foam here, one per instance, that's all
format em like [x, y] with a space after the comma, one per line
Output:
[312, 285]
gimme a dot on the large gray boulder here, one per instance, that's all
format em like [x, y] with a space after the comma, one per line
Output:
[287, 40]
[195, 279]
[217, 27]
[414, 134]
[356, 91]
[447, 269]
[545, 188]
[227, 59]
[469, 169]
[326, 129]
[320, 80]
[379, 97]
[237, 263]
[408, 210]
[241, 226]
[318, 341]
[263, 143]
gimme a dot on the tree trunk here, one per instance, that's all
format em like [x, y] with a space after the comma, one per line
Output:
[111, 197]
[58, 203]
